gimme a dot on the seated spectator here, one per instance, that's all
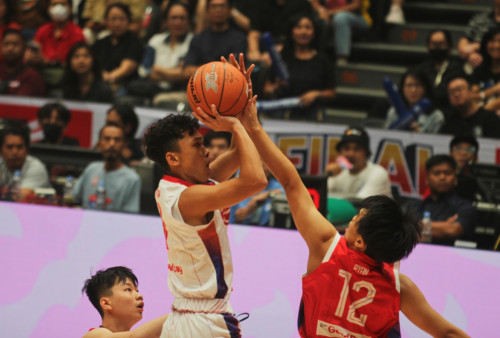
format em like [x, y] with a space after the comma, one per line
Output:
[257, 209]
[217, 143]
[8, 11]
[120, 53]
[14, 150]
[365, 178]
[269, 17]
[466, 115]
[220, 39]
[439, 64]
[312, 75]
[82, 80]
[464, 149]
[31, 16]
[16, 78]
[413, 88]
[123, 185]
[53, 118]
[124, 116]
[479, 24]
[452, 216]
[56, 38]
[170, 49]
[95, 19]
[349, 16]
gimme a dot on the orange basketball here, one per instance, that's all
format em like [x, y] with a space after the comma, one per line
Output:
[218, 83]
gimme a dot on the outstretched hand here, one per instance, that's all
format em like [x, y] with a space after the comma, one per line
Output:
[215, 121]
[242, 69]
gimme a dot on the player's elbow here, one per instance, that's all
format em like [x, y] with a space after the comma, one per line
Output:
[454, 332]
[259, 183]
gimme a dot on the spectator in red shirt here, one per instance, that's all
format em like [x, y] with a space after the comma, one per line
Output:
[15, 77]
[7, 12]
[58, 36]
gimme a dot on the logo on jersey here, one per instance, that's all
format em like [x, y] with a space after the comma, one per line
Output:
[331, 330]
[175, 268]
[211, 80]
[225, 213]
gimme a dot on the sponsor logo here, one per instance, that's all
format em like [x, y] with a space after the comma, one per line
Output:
[211, 80]
[191, 87]
[175, 268]
[331, 330]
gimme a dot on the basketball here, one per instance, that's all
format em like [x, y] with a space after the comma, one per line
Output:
[218, 83]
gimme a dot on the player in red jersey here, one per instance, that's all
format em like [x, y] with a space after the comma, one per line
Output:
[352, 287]
[114, 293]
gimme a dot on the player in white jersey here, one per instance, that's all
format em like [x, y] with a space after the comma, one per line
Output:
[195, 214]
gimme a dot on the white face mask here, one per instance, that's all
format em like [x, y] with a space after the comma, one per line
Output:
[59, 12]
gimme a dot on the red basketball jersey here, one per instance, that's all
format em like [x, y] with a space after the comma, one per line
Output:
[350, 295]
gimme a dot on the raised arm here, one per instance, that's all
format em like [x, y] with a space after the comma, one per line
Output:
[414, 305]
[251, 180]
[151, 329]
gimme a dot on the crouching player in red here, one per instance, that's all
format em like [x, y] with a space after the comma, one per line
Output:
[352, 287]
[114, 293]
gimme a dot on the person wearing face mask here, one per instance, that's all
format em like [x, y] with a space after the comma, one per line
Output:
[53, 118]
[53, 40]
[439, 63]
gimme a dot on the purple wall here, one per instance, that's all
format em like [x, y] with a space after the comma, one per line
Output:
[46, 253]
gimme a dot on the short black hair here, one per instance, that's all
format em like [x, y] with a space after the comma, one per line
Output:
[164, 135]
[229, 2]
[207, 139]
[46, 110]
[18, 130]
[111, 124]
[390, 234]
[464, 138]
[100, 284]
[128, 116]
[446, 33]
[483, 49]
[125, 9]
[440, 159]
[14, 31]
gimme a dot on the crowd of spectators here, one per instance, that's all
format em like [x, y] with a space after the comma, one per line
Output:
[143, 52]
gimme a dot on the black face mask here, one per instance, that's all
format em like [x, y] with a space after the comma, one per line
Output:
[438, 54]
[52, 132]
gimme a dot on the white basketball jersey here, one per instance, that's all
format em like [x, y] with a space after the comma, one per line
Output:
[199, 257]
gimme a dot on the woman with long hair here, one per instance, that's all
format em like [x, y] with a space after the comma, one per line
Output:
[82, 80]
[413, 87]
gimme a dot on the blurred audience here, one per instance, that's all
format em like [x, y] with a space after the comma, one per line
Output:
[364, 178]
[120, 53]
[345, 16]
[312, 75]
[396, 16]
[220, 39]
[31, 15]
[452, 216]
[439, 64]
[466, 115]
[122, 184]
[413, 88]
[464, 148]
[169, 50]
[479, 24]
[94, 15]
[14, 151]
[53, 119]
[217, 143]
[269, 17]
[123, 115]
[8, 11]
[257, 209]
[55, 38]
[82, 80]
[16, 78]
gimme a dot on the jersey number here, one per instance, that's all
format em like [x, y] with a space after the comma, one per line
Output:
[351, 314]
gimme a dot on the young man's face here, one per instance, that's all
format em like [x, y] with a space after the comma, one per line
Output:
[458, 92]
[126, 302]
[193, 159]
[217, 147]
[218, 11]
[356, 154]
[13, 48]
[441, 178]
[111, 143]
[463, 153]
[14, 152]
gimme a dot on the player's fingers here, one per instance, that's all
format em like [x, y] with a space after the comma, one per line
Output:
[233, 61]
[215, 113]
[223, 59]
[242, 62]
[201, 115]
[249, 71]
